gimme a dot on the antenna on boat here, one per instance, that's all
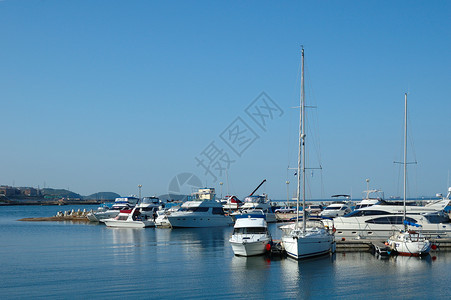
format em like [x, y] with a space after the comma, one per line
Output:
[227, 181]
[448, 179]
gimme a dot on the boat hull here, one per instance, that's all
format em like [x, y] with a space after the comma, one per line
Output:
[128, 224]
[97, 216]
[242, 248]
[412, 249]
[409, 244]
[360, 230]
[162, 221]
[186, 221]
[299, 247]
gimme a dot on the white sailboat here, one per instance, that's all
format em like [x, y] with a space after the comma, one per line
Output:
[408, 242]
[306, 239]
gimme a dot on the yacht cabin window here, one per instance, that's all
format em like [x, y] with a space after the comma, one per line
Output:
[249, 230]
[359, 213]
[194, 209]
[395, 220]
[218, 211]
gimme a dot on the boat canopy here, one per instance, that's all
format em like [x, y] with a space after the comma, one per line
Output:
[336, 196]
[411, 224]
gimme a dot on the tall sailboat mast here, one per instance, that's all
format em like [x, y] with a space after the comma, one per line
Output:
[304, 242]
[301, 154]
[298, 185]
[303, 142]
[405, 159]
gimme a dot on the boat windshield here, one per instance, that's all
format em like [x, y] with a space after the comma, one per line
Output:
[150, 200]
[395, 220]
[254, 199]
[332, 208]
[437, 218]
[250, 230]
[315, 207]
[362, 205]
[359, 213]
[218, 211]
[149, 208]
[194, 209]
[119, 207]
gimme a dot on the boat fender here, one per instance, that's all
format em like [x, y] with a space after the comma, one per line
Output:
[268, 247]
[334, 229]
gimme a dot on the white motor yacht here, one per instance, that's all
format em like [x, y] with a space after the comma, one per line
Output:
[129, 219]
[149, 206]
[162, 216]
[336, 209]
[372, 197]
[231, 203]
[120, 203]
[162, 219]
[380, 221]
[201, 210]
[101, 209]
[257, 202]
[250, 234]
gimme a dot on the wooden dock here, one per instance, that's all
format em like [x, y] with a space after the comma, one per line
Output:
[376, 245]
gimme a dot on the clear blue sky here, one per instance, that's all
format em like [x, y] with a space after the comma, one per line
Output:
[105, 95]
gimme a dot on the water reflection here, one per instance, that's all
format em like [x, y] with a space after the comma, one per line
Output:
[199, 241]
[189, 243]
[46, 260]
[243, 264]
[294, 279]
[125, 237]
[126, 243]
[306, 278]
[410, 264]
[249, 275]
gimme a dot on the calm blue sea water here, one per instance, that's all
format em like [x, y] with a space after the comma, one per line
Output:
[68, 260]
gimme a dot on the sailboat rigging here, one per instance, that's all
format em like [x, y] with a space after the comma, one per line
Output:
[408, 242]
[302, 241]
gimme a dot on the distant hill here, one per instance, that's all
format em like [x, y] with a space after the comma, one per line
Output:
[59, 193]
[102, 196]
[172, 197]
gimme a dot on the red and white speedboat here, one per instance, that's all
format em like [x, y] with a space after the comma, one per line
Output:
[129, 219]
